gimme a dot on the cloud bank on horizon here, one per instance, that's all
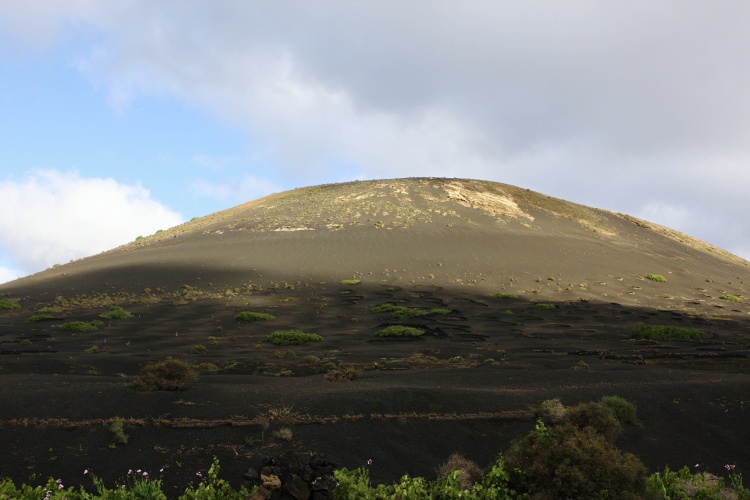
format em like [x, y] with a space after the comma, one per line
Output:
[173, 107]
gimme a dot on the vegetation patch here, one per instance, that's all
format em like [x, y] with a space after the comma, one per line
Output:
[254, 316]
[6, 305]
[668, 332]
[656, 277]
[167, 375]
[403, 312]
[199, 349]
[350, 282]
[292, 337]
[82, 326]
[116, 312]
[503, 295]
[206, 367]
[624, 410]
[731, 298]
[544, 305]
[400, 331]
[39, 317]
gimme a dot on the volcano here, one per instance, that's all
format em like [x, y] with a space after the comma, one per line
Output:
[519, 298]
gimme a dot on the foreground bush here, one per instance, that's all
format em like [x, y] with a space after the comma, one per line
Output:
[136, 485]
[6, 305]
[566, 461]
[167, 375]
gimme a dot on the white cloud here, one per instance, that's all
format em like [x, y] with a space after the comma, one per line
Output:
[52, 217]
[618, 105]
[9, 274]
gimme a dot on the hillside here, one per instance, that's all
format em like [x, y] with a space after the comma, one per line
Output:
[569, 283]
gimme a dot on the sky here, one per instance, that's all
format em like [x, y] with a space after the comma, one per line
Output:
[121, 118]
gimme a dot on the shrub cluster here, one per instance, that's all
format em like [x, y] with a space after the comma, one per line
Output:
[116, 312]
[402, 312]
[292, 337]
[400, 331]
[6, 305]
[253, 316]
[656, 277]
[167, 375]
[731, 298]
[82, 326]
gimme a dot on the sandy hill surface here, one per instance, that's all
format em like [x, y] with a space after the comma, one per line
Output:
[466, 385]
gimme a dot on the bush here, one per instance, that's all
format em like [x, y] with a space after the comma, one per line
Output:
[624, 410]
[731, 298]
[283, 434]
[503, 295]
[342, 373]
[116, 312]
[544, 305]
[118, 431]
[656, 277]
[350, 282]
[597, 416]
[551, 411]
[400, 331]
[571, 462]
[469, 473]
[198, 349]
[292, 337]
[39, 317]
[6, 305]
[667, 332]
[81, 326]
[167, 375]
[253, 316]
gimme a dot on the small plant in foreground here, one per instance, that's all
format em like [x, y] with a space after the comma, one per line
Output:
[668, 332]
[6, 305]
[116, 312]
[731, 298]
[167, 375]
[400, 331]
[293, 337]
[81, 326]
[656, 277]
[248, 316]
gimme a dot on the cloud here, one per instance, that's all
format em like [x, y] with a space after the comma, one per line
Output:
[618, 105]
[9, 274]
[52, 217]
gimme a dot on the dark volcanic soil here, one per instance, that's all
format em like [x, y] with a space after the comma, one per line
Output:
[468, 385]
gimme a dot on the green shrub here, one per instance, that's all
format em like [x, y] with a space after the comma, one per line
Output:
[732, 298]
[624, 410]
[402, 312]
[6, 305]
[668, 332]
[292, 337]
[551, 411]
[469, 473]
[206, 367]
[93, 349]
[254, 316]
[81, 326]
[118, 431]
[597, 416]
[342, 373]
[544, 305]
[199, 349]
[39, 317]
[350, 282]
[167, 375]
[116, 312]
[684, 484]
[656, 277]
[503, 295]
[566, 461]
[400, 331]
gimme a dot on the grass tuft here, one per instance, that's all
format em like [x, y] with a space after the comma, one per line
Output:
[731, 298]
[81, 326]
[167, 375]
[503, 295]
[6, 305]
[116, 312]
[350, 282]
[656, 277]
